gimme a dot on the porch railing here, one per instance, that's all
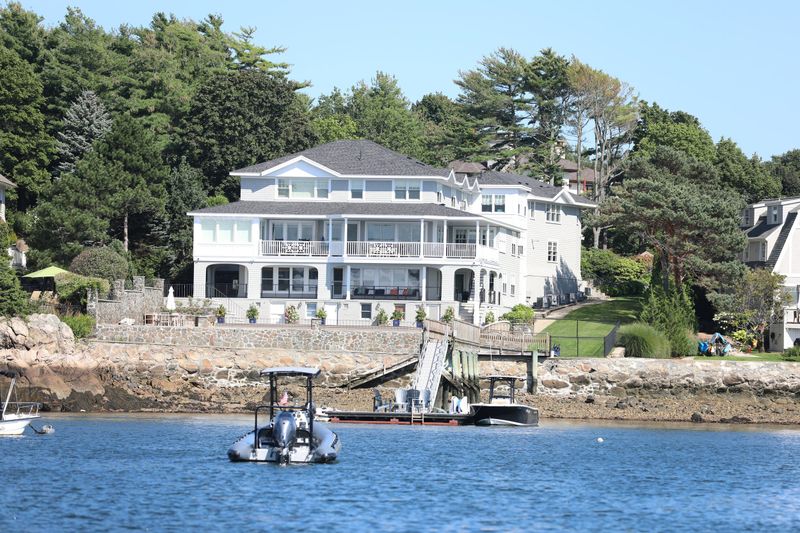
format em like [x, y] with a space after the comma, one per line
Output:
[383, 249]
[461, 250]
[295, 248]
[289, 290]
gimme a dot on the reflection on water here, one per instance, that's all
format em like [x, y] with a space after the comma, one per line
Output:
[170, 473]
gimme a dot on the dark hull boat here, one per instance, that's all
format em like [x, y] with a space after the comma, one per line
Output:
[501, 409]
[504, 415]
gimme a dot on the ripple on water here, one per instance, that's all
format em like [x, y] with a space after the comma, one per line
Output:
[171, 473]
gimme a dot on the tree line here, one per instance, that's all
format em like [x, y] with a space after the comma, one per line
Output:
[112, 136]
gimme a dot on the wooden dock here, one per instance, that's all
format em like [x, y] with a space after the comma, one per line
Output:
[427, 419]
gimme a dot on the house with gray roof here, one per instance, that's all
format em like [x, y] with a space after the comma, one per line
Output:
[773, 242]
[352, 227]
[5, 184]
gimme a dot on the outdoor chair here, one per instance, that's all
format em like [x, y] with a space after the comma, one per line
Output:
[400, 400]
[413, 398]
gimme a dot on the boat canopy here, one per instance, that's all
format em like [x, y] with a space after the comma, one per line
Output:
[291, 371]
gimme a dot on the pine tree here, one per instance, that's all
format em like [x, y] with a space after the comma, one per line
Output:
[13, 300]
[86, 121]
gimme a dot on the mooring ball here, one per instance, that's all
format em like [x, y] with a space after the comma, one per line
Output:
[599, 439]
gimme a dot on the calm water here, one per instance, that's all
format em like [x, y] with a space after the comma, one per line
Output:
[102, 473]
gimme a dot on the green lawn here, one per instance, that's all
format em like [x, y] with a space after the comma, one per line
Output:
[581, 332]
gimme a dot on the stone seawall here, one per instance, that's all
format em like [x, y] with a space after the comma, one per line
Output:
[376, 341]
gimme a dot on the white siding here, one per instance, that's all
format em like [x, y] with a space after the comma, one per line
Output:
[257, 189]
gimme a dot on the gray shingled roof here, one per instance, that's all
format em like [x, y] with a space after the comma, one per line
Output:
[334, 208]
[357, 158]
[762, 228]
[7, 182]
[539, 188]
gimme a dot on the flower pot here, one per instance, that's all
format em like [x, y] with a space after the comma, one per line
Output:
[252, 320]
[395, 323]
[220, 320]
[419, 323]
[322, 321]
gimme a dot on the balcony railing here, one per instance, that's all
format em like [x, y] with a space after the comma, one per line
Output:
[383, 249]
[378, 249]
[373, 292]
[289, 290]
[226, 290]
[295, 248]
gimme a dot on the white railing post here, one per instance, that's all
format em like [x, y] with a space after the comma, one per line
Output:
[421, 235]
[444, 240]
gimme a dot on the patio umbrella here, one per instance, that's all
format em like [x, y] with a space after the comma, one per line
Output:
[171, 300]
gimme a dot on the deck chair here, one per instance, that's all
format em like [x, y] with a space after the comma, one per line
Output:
[378, 405]
[414, 399]
[400, 400]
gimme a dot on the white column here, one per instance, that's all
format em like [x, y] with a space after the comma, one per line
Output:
[476, 305]
[347, 282]
[424, 283]
[444, 238]
[344, 244]
[477, 232]
[330, 231]
[421, 236]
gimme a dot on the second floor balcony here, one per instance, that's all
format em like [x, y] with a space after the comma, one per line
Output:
[378, 249]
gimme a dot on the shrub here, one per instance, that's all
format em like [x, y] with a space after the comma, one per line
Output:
[13, 300]
[489, 319]
[672, 314]
[72, 288]
[519, 314]
[81, 325]
[643, 340]
[102, 262]
[684, 345]
[792, 353]
[449, 315]
[252, 312]
[322, 313]
[381, 317]
[613, 274]
[421, 314]
[220, 312]
[398, 315]
[291, 315]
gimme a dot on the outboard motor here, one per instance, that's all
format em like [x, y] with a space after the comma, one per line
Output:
[284, 431]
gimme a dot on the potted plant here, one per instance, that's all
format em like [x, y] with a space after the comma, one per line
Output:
[381, 318]
[252, 313]
[489, 318]
[291, 315]
[397, 316]
[220, 314]
[420, 316]
[449, 315]
[322, 314]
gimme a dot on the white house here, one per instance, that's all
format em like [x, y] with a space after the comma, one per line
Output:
[17, 251]
[350, 225]
[773, 241]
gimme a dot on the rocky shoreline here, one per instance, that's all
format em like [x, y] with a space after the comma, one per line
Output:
[103, 376]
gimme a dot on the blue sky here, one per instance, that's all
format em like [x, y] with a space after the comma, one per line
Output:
[733, 64]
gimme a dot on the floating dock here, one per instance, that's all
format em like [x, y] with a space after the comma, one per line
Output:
[428, 419]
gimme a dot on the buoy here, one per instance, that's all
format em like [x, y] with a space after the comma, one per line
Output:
[599, 439]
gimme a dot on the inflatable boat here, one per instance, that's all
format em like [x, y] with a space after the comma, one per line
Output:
[291, 435]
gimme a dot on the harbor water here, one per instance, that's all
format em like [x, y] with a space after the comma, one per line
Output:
[171, 473]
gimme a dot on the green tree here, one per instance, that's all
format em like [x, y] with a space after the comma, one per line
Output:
[184, 194]
[495, 97]
[242, 118]
[748, 176]
[13, 300]
[100, 262]
[786, 169]
[613, 274]
[665, 201]
[86, 121]
[754, 303]
[383, 114]
[447, 134]
[22, 32]
[248, 55]
[676, 129]
[25, 147]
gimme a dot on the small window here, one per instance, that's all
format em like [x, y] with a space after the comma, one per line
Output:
[499, 203]
[532, 209]
[357, 189]
[322, 188]
[366, 311]
[553, 213]
[207, 230]
[439, 197]
[552, 252]
[519, 250]
[774, 212]
[513, 249]
[283, 188]
[486, 203]
[406, 190]
[311, 310]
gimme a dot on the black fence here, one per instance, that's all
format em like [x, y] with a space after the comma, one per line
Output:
[579, 338]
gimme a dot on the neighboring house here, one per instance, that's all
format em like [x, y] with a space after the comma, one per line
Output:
[351, 225]
[773, 242]
[15, 251]
[578, 184]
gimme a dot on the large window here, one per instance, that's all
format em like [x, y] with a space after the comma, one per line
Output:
[406, 190]
[301, 189]
[493, 203]
[388, 232]
[289, 282]
[225, 231]
[553, 213]
[552, 252]
[292, 231]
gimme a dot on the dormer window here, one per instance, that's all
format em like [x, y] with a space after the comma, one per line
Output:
[774, 214]
[302, 188]
[747, 218]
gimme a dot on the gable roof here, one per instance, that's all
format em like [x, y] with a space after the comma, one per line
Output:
[7, 182]
[570, 168]
[354, 158]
